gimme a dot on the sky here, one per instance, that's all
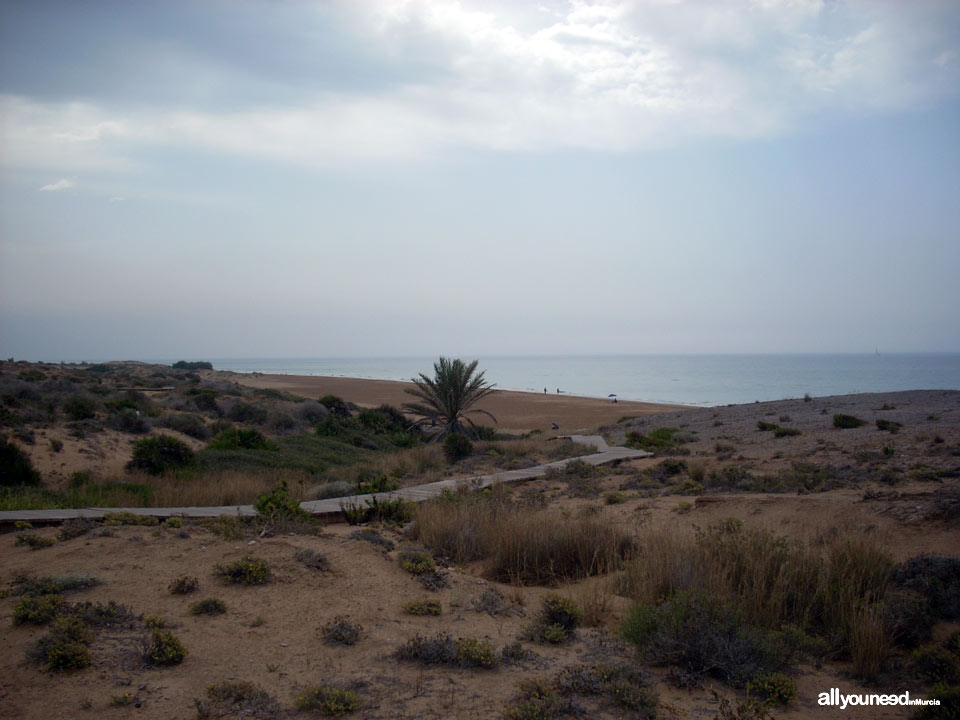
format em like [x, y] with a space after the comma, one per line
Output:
[280, 178]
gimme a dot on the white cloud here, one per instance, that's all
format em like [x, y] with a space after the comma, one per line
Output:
[62, 184]
[612, 76]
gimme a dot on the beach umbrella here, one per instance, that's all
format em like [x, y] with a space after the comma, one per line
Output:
[612, 395]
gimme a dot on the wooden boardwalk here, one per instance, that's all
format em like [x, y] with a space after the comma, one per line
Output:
[331, 507]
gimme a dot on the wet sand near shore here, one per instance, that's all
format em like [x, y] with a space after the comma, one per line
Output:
[515, 411]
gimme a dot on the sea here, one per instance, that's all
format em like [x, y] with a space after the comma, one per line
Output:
[704, 380]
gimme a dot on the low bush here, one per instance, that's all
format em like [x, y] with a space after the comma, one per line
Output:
[444, 650]
[782, 432]
[845, 422]
[936, 578]
[375, 484]
[129, 518]
[186, 423]
[15, 466]
[192, 365]
[163, 649]
[336, 406]
[456, 447]
[558, 619]
[623, 686]
[237, 699]
[97, 614]
[161, 454]
[65, 647]
[248, 570]
[936, 664]
[396, 512]
[328, 700]
[772, 688]
[889, 426]
[417, 562]
[241, 439]
[372, 536]
[130, 421]
[34, 541]
[53, 584]
[37, 609]
[341, 631]
[80, 407]
[208, 606]
[277, 503]
[698, 636]
[657, 441]
[312, 559]
[422, 607]
[247, 413]
[75, 527]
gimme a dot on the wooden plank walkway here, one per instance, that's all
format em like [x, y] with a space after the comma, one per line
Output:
[331, 507]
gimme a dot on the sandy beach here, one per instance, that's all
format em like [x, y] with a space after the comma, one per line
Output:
[515, 411]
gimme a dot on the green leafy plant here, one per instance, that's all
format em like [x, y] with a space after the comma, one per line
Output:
[417, 562]
[241, 439]
[65, 647]
[422, 607]
[37, 609]
[456, 447]
[772, 688]
[34, 541]
[557, 620]
[278, 503]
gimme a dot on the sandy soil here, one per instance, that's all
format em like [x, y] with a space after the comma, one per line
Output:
[515, 411]
[284, 652]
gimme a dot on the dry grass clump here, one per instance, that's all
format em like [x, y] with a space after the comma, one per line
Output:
[328, 700]
[341, 631]
[237, 699]
[520, 545]
[838, 590]
[312, 559]
[183, 585]
[208, 606]
[222, 487]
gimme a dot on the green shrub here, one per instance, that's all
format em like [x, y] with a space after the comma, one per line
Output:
[772, 688]
[34, 542]
[277, 503]
[889, 425]
[80, 407]
[188, 424]
[248, 570]
[658, 440]
[764, 426]
[53, 584]
[456, 447]
[15, 466]
[340, 631]
[328, 700]
[65, 647]
[130, 421]
[378, 484]
[417, 562]
[444, 650]
[208, 606]
[397, 511]
[129, 518]
[241, 439]
[423, 607]
[936, 578]
[847, 421]
[936, 664]
[160, 454]
[335, 406]
[163, 648]
[247, 413]
[614, 497]
[37, 609]
[699, 635]
[781, 432]
[557, 620]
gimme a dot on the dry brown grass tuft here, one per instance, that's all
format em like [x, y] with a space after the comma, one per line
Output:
[521, 545]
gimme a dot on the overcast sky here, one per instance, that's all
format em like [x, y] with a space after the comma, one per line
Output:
[272, 179]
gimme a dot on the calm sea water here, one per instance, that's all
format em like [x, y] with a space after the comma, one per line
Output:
[684, 379]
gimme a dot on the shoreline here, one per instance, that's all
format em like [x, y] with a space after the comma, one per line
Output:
[515, 410]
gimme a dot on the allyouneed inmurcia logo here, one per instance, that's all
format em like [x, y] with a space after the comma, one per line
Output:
[835, 697]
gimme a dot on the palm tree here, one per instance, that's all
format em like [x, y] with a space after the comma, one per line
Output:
[446, 399]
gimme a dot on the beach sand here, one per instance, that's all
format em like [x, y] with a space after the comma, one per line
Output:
[515, 411]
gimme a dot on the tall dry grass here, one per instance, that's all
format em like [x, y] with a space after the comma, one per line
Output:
[521, 545]
[223, 487]
[834, 588]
